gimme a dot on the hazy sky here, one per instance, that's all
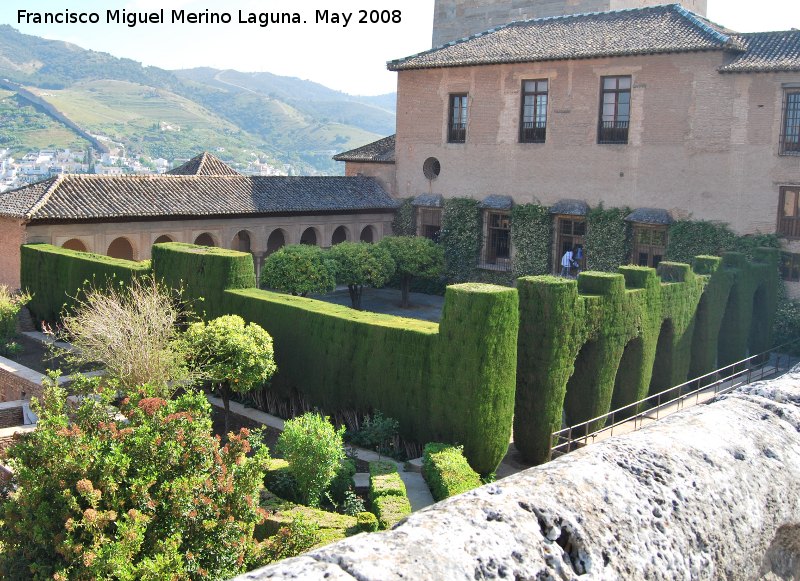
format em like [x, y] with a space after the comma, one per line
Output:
[351, 59]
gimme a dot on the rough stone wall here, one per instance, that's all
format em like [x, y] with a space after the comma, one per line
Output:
[455, 19]
[383, 172]
[11, 417]
[12, 236]
[710, 493]
[701, 144]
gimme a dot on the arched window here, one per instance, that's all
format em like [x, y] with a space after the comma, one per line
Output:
[309, 237]
[368, 234]
[163, 238]
[204, 239]
[276, 241]
[74, 244]
[241, 241]
[339, 235]
[120, 248]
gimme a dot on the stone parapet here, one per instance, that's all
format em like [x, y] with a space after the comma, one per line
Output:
[710, 493]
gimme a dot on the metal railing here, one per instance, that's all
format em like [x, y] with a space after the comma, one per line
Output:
[723, 380]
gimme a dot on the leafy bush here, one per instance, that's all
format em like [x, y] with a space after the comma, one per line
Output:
[461, 238]
[531, 235]
[131, 331]
[446, 471]
[10, 305]
[377, 432]
[314, 450]
[342, 483]
[359, 264]
[299, 269]
[414, 257]
[690, 238]
[390, 510]
[384, 480]
[235, 356]
[150, 497]
[403, 223]
[367, 522]
[352, 505]
[292, 539]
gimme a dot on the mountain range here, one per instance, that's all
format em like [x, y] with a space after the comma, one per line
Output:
[153, 112]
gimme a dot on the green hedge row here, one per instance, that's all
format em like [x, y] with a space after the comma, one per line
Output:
[450, 382]
[55, 276]
[206, 276]
[604, 341]
[390, 510]
[387, 494]
[446, 471]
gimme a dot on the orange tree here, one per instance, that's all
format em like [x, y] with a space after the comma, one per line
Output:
[149, 494]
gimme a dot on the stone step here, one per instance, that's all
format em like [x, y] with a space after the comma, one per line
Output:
[414, 465]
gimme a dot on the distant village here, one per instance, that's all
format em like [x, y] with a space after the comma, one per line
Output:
[44, 163]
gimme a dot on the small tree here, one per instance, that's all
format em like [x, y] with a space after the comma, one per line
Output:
[299, 269]
[314, 450]
[10, 305]
[359, 264]
[151, 497]
[235, 356]
[132, 332]
[414, 256]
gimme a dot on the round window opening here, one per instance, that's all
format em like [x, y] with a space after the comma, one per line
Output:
[431, 168]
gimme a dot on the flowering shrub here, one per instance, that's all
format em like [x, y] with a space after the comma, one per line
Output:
[148, 496]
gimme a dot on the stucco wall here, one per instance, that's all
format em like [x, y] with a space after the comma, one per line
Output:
[701, 144]
[12, 235]
[383, 172]
[709, 493]
[455, 19]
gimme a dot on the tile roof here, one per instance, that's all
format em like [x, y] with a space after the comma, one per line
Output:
[92, 197]
[767, 52]
[570, 208]
[429, 201]
[495, 202]
[204, 164]
[649, 216]
[381, 151]
[657, 29]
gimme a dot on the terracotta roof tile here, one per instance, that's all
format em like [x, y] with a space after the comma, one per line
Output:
[381, 151]
[652, 30]
[767, 52]
[204, 164]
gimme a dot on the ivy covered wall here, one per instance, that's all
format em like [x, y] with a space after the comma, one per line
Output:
[608, 238]
[531, 239]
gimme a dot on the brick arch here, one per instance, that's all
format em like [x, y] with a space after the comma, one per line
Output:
[369, 234]
[75, 244]
[276, 240]
[121, 248]
[206, 239]
[243, 241]
[341, 234]
[310, 236]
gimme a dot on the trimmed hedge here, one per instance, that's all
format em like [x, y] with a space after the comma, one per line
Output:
[384, 480]
[446, 471]
[332, 526]
[55, 276]
[390, 510]
[531, 238]
[608, 238]
[204, 278]
[367, 522]
[449, 382]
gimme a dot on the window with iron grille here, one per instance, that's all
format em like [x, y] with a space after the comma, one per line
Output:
[790, 267]
[649, 244]
[790, 128]
[615, 110]
[496, 253]
[533, 122]
[788, 214]
[429, 223]
[457, 124]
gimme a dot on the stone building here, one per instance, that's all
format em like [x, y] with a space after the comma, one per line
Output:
[654, 108]
[202, 202]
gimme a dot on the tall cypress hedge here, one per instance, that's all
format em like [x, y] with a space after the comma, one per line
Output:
[205, 276]
[56, 276]
[451, 382]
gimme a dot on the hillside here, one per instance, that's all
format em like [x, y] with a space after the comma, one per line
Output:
[293, 121]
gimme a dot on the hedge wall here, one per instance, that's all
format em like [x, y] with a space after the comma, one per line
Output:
[446, 471]
[204, 277]
[461, 238]
[451, 382]
[607, 339]
[55, 276]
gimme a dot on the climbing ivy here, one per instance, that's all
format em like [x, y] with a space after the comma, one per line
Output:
[461, 238]
[690, 238]
[531, 238]
[608, 238]
[403, 223]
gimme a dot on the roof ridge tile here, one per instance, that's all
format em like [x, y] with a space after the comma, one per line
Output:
[45, 197]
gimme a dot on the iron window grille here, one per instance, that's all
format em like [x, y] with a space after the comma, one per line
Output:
[789, 213]
[430, 223]
[533, 121]
[457, 125]
[615, 110]
[496, 253]
[790, 128]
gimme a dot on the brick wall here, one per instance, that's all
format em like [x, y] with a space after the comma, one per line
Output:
[12, 235]
[17, 382]
[11, 417]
